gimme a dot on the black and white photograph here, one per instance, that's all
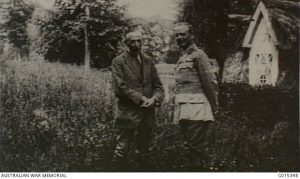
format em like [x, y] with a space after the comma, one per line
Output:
[191, 86]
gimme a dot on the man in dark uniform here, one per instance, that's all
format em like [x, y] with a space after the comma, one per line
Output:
[138, 89]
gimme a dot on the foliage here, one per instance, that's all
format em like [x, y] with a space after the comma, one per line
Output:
[285, 21]
[156, 36]
[16, 27]
[255, 102]
[215, 32]
[244, 7]
[48, 109]
[64, 31]
[173, 54]
[238, 27]
[210, 21]
[265, 126]
[54, 119]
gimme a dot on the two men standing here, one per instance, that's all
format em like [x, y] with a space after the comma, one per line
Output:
[139, 89]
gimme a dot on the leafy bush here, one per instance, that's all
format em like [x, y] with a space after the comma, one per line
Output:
[263, 106]
[257, 128]
[15, 27]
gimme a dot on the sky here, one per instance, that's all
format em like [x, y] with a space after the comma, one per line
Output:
[137, 8]
[149, 8]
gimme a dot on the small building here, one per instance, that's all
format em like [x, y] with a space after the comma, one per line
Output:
[269, 52]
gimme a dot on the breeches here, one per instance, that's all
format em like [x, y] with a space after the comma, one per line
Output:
[194, 132]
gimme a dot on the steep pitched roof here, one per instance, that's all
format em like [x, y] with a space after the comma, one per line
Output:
[282, 20]
[261, 12]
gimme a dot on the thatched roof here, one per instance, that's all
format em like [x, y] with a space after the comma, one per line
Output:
[285, 19]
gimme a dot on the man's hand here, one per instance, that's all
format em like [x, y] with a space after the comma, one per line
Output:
[148, 102]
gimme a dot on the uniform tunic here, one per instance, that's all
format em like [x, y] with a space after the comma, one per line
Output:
[196, 87]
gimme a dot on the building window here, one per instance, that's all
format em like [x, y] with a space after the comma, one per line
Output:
[263, 79]
[270, 58]
[263, 68]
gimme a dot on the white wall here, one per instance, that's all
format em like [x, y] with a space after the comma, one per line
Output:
[260, 62]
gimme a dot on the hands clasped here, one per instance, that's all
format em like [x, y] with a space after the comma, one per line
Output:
[148, 102]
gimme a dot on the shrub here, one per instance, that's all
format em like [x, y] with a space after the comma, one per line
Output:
[263, 106]
[259, 127]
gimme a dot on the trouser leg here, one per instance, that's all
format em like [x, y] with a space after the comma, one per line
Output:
[194, 135]
[144, 138]
[124, 139]
[144, 141]
[194, 132]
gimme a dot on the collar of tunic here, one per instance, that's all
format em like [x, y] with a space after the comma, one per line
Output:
[189, 50]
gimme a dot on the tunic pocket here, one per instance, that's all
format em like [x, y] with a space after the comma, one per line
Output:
[186, 63]
[192, 107]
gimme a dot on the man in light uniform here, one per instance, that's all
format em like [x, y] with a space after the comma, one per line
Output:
[196, 89]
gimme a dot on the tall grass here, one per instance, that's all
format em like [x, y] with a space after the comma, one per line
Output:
[55, 117]
[52, 111]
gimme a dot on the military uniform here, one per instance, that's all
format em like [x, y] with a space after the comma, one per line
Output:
[196, 95]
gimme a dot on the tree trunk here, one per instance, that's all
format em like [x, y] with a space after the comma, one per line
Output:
[87, 56]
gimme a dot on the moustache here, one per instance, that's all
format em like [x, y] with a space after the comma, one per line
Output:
[180, 40]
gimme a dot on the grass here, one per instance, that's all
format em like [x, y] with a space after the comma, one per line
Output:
[56, 118]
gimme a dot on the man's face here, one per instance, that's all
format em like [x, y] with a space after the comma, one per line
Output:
[183, 38]
[134, 43]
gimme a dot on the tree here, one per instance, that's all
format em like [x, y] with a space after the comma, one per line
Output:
[18, 15]
[156, 36]
[210, 21]
[64, 32]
